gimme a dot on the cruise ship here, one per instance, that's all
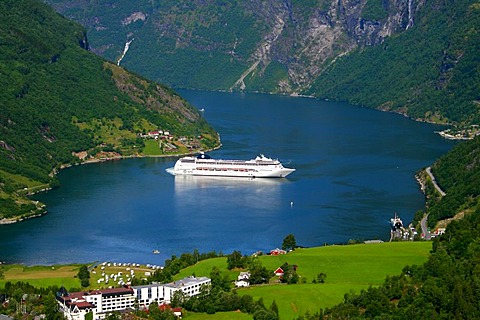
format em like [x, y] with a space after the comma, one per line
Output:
[204, 165]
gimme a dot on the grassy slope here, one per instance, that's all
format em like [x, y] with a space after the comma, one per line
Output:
[57, 98]
[41, 276]
[353, 267]
[218, 316]
[348, 268]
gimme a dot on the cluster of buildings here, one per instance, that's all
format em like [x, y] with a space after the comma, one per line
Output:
[100, 303]
[166, 138]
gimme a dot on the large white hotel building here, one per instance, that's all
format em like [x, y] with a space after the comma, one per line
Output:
[76, 305]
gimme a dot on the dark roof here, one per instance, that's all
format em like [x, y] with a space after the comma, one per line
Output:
[62, 292]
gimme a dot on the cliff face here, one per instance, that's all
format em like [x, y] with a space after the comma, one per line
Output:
[270, 46]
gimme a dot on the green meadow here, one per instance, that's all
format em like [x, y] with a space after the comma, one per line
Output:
[349, 268]
[41, 276]
[217, 316]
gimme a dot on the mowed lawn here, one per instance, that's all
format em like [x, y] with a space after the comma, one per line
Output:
[42, 276]
[348, 268]
[217, 316]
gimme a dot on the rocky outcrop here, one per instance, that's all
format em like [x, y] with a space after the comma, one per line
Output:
[302, 37]
[304, 40]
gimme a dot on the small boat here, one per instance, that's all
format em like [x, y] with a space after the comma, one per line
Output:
[156, 251]
[204, 165]
[396, 223]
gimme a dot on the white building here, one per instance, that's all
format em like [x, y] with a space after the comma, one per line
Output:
[76, 305]
[243, 280]
[190, 285]
[163, 293]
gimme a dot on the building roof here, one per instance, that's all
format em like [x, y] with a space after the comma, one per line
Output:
[5, 317]
[84, 305]
[188, 281]
[113, 291]
[153, 285]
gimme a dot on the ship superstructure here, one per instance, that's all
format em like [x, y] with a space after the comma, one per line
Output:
[204, 165]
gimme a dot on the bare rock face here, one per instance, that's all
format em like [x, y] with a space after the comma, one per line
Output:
[302, 37]
[134, 17]
[5, 146]
[304, 41]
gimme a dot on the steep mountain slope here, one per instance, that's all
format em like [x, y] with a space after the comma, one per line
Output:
[431, 72]
[415, 57]
[458, 174]
[58, 98]
[275, 46]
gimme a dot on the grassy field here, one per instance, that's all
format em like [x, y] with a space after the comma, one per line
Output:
[204, 267]
[120, 271]
[41, 276]
[217, 316]
[151, 148]
[348, 268]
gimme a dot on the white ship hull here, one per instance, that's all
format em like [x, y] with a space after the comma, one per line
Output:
[260, 167]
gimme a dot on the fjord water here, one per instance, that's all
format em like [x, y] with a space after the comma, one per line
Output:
[355, 169]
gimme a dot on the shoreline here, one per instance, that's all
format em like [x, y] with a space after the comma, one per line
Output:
[8, 221]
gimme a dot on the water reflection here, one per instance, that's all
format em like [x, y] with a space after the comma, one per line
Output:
[255, 193]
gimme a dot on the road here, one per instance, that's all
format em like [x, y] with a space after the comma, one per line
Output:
[423, 224]
[429, 172]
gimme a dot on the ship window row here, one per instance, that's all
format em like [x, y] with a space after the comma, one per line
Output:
[235, 163]
[225, 169]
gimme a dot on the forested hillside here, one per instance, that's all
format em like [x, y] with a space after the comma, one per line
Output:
[267, 46]
[415, 57]
[447, 286]
[57, 98]
[431, 71]
[458, 174]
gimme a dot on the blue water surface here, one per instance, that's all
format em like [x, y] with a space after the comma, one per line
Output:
[355, 169]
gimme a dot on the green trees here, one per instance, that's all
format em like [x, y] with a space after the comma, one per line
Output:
[458, 174]
[428, 68]
[175, 264]
[51, 308]
[58, 98]
[236, 260]
[84, 276]
[446, 286]
[289, 242]
[321, 277]
[290, 275]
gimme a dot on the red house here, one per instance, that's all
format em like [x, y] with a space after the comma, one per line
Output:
[276, 252]
[279, 272]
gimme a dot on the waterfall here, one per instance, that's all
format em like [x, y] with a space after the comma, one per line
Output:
[127, 45]
[410, 14]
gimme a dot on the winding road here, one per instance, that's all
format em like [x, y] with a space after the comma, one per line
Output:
[429, 172]
[423, 222]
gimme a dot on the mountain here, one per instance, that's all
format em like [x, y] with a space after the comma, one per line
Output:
[414, 57]
[458, 175]
[61, 103]
[430, 72]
